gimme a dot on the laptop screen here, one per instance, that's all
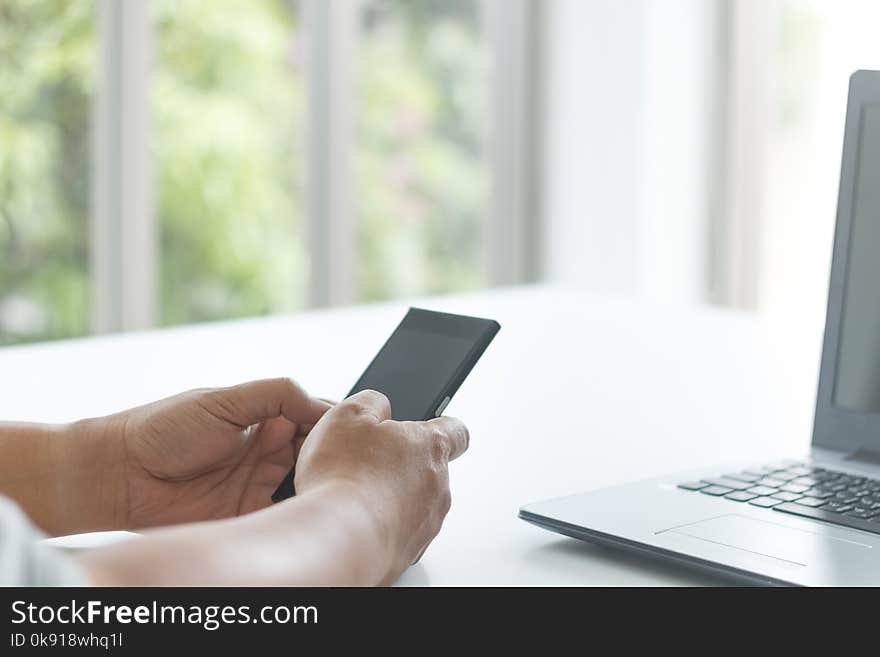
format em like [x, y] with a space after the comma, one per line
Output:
[858, 369]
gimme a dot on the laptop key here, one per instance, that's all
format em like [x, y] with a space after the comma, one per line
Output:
[820, 493]
[742, 476]
[787, 497]
[693, 485]
[765, 502]
[716, 490]
[832, 518]
[728, 483]
[836, 507]
[865, 514]
[794, 488]
[810, 501]
[770, 481]
[761, 490]
[862, 509]
[740, 496]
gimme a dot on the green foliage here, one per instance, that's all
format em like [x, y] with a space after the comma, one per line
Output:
[423, 188]
[229, 103]
[228, 99]
[46, 76]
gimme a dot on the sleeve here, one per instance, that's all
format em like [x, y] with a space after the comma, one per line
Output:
[25, 561]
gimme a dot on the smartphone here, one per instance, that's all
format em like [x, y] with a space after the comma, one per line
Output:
[421, 366]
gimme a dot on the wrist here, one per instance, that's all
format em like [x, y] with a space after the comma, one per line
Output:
[325, 536]
[92, 494]
[359, 514]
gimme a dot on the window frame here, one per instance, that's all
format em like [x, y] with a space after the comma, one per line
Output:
[742, 108]
[124, 233]
[513, 29]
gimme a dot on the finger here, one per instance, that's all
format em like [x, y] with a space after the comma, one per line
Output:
[369, 402]
[274, 434]
[454, 433]
[256, 401]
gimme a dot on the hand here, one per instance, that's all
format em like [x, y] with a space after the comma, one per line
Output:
[399, 469]
[212, 453]
[371, 495]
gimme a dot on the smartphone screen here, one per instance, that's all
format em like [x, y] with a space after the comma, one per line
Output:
[419, 362]
[420, 367]
[412, 369]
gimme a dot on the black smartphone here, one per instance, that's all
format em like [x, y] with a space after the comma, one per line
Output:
[421, 366]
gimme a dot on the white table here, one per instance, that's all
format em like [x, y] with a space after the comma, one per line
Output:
[577, 392]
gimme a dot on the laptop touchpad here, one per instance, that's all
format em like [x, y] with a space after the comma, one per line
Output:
[768, 539]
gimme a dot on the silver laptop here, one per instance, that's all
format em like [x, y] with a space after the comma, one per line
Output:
[810, 521]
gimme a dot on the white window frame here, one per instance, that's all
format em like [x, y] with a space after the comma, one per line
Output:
[124, 233]
[123, 249]
[332, 35]
[740, 148]
[514, 241]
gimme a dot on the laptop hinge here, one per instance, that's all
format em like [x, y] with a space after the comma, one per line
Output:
[870, 456]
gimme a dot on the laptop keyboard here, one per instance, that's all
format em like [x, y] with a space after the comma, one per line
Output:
[800, 489]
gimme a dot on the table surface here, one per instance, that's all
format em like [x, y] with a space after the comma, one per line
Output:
[577, 392]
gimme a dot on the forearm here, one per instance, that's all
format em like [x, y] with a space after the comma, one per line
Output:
[67, 478]
[324, 537]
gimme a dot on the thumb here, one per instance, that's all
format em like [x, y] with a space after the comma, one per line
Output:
[255, 401]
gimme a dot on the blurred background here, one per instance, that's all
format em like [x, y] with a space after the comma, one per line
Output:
[166, 162]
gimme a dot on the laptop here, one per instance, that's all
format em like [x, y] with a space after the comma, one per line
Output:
[811, 521]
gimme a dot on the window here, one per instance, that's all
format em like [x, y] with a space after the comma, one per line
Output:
[693, 148]
[422, 181]
[47, 54]
[167, 162]
[228, 105]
